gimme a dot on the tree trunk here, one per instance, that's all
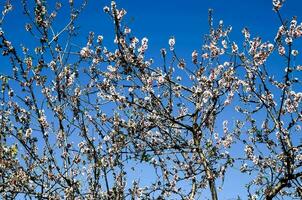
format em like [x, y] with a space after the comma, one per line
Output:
[213, 189]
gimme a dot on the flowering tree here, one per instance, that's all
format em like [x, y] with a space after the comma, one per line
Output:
[80, 124]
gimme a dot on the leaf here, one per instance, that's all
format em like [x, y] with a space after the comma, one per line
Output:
[145, 157]
[14, 150]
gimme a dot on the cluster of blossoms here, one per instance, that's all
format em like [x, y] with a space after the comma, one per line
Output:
[82, 125]
[293, 101]
[277, 4]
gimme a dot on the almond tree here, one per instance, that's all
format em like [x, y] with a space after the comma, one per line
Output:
[69, 130]
[82, 122]
[170, 110]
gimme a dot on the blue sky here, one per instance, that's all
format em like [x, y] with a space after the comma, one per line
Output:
[158, 20]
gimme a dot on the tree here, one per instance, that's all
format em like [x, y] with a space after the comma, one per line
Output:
[79, 125]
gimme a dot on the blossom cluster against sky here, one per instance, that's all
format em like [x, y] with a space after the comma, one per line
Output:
[158, 20]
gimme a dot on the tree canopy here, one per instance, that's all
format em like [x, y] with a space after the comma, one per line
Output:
[110, 123]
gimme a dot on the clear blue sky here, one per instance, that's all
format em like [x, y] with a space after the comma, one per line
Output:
[159, 19]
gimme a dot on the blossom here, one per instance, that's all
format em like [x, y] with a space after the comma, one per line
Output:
[121, 14]
[85, 52]
[244, 167]
[246, 34]
[100, 39]
[172, 43]
[127, 30]
[194, 56]
[181, 64]
[145, 41]
[7, 7]
[299, 67]
[277, 4]
[42, 120]
[289, 40]
[52, 65]
[113, 5]
[106, 9]
[249, 150]
[281, 50]
[234, 48]
[28, 27]
[294, 52]
[205, 55]
[270, 47]
[144, 45]
[111, 68]
[224, 44]
[10, 92]
[28, 132]
[161, 79]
